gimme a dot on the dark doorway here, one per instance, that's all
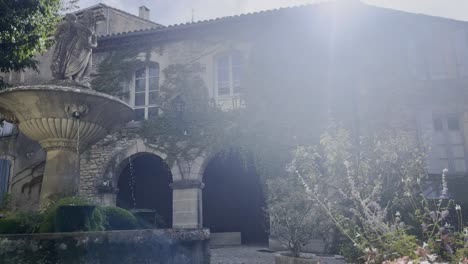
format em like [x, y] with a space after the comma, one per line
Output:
[151, 178]
[233, 200]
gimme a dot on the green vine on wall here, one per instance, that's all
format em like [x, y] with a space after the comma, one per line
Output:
[284, 105]
[117, 69]
[199, 126]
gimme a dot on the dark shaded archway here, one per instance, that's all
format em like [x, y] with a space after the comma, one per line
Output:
[233, 200]
[151, 177]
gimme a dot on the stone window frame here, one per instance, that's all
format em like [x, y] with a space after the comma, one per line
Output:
[231, 82]
[147, 106]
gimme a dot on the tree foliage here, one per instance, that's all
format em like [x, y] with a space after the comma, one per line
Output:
[25, 30]
[189, 123]
[294, 220]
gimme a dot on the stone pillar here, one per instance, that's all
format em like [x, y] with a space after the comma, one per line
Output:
[187, 204]
[61, 172]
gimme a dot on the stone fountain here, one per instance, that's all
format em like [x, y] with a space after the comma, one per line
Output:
[65, 115]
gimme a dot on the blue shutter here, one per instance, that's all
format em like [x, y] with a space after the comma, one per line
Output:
[4, 177]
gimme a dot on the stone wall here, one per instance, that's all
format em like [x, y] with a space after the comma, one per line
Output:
[123, 247]
[105, 160]
[95, 162]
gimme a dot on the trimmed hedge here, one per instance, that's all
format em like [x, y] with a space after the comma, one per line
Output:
[119, 219]
[49, 225]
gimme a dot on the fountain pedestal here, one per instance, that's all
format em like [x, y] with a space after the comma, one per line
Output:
[64, 120]
[62, 170]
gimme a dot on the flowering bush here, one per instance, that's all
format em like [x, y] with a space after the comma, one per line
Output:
[372, 189]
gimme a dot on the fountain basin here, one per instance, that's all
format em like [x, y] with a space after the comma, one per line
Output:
[63, 119]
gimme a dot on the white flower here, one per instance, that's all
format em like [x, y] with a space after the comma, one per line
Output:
[425, 245]
[432, 257]
[397, 214]
[457, 207]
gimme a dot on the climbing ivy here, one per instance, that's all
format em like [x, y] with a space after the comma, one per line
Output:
[284, 104]
[190, 123]
[117, 69]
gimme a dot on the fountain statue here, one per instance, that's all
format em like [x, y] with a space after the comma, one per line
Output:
[65, 115]
[72, 58]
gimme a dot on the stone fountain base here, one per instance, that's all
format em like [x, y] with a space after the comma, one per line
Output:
[64, 120]
[110, 247]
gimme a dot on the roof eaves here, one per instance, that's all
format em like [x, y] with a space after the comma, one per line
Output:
[187, 25]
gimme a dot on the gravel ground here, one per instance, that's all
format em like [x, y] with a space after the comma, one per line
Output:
[241, 255]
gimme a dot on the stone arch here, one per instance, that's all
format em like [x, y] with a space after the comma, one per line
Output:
[233, 199]
[197, 167]
[120, 160]
[150, 194]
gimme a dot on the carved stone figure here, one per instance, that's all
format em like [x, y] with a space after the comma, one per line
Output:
[72, 58]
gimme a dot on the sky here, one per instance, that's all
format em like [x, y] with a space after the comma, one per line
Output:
[168, 12]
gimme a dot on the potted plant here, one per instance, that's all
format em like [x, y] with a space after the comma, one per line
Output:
[294, 220]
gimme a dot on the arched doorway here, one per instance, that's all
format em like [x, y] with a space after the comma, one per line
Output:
[233, 200]
[144, 187]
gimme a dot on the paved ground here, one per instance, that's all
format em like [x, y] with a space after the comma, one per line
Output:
[252, 255]
[241, 255]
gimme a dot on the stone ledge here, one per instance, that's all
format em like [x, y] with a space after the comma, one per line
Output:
[120, 235]
[187, 184]
[110, 247]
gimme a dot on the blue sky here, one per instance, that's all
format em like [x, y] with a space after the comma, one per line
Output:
[169, 12]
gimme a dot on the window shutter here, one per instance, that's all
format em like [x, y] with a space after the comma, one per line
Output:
[4, 177]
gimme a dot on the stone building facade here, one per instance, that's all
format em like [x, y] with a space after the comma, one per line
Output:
[375, 69]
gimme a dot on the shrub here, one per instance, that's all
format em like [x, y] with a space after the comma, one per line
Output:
[20, 223]
[119, 219]
[48, 225]
[10, 226]
[294, 219]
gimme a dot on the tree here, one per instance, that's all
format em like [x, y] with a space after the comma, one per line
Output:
[294, 219]
[26, 27]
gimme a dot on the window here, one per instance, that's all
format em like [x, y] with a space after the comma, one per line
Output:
[431, 58]
[146, 92]
[229, 74]
[460, 40]
[5, 167]
[448, 148]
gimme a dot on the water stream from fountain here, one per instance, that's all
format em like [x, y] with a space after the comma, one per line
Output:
[78, 149]
[132, 182]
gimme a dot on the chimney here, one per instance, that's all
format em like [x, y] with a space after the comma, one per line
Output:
[144, 12]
